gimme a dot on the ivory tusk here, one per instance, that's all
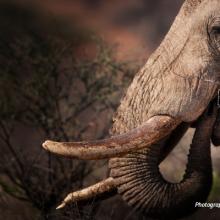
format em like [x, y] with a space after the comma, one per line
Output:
[89, 192]
[148, 133]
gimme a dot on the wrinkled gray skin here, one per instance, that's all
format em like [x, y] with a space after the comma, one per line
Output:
[172, 91]
[180, 79]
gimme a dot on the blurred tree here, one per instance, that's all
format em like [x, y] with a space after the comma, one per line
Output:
[44, 86]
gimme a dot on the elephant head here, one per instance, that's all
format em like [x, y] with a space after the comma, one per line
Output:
[176, 87]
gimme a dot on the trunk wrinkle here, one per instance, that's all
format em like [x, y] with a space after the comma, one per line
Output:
[142, 186]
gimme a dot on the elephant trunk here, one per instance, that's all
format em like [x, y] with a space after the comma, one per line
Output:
[142, 186]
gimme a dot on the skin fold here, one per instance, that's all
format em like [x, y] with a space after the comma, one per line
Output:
[172, 90]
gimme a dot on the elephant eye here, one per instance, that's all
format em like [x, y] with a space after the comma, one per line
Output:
[215, 38]
[216, 30]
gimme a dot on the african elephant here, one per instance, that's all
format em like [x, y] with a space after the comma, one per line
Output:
[176, 87]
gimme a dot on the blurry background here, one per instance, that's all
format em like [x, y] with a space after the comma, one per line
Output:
[65, 64]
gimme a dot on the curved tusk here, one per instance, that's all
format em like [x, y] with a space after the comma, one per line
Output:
[89, 192]
[148, 133]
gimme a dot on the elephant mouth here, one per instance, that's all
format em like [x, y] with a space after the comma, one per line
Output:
[176, 135]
